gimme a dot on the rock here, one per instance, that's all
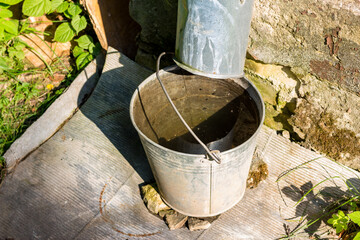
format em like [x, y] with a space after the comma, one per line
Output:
[258, 172]
[279, 76]
[31, 77]
[175, 220]
[195, 224]
[162, 213]
[285, 134]
[300, 133]
[322, 132]
[315, 35]
[152, 199]
[58, 77]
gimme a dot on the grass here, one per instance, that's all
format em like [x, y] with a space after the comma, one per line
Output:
[332, 198]
[23, 101]
[18, 101]
[26, 91]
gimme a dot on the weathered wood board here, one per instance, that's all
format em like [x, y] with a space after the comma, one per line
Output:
[83, 183]
[113, 25]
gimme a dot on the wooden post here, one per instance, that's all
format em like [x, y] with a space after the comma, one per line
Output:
[113, 24]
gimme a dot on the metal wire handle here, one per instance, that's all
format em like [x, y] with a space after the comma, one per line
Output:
[214, 154]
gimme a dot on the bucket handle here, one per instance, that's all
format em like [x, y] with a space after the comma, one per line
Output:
[214, 154]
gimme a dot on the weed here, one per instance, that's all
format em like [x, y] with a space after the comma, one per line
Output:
[339, 208]
[339, 221]
[342, 222]
[22, 102]
[18, 102]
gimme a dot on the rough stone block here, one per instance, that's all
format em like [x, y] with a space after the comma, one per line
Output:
[152, 199]
[319, 36]
[162, 213]
[195, 224]
[175, 220]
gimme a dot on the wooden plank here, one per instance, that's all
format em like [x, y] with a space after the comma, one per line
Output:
[113, 25]
[84, 182]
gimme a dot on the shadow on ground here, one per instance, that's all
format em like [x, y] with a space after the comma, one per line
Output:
[113, 117]
[328, 199]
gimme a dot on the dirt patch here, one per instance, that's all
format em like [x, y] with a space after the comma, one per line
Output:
[258, 172]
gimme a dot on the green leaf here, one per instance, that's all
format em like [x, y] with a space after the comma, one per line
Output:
[20, 55]
[55, 4]
[16, 53]
[1, 33]
[78, 23]
[10, 2]
[10, 26]
[62, 7]
[97, 49]
[11, 52]
[8, 36]
[36, 8]
[3, 64]
[19, 46]
[3, 5]
[355, 217]
[84, 41]
[73, 10]
[24, 25]
[339, 221]
[83, 59]
[353, 206]
[5, 13]
[91, 48]
[77, 51]
[357, 236]
[64, 33]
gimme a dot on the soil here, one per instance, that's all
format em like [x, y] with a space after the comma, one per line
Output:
[258, 172]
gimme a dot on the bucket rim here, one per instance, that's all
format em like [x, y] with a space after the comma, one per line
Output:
[152, 77]
[201, 73]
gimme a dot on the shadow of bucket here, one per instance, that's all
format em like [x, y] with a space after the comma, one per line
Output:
[215, 109]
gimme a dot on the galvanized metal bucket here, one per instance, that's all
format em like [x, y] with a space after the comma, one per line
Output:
[212, 36]
[193, 184]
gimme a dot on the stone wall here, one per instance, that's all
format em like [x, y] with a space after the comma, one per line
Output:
[304, 56]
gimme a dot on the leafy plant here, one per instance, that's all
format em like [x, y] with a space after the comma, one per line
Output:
[346, 221]
[339, 221]
[65, 32]
[85, 51]
[68, 30]
[16, 105]
[20, 102]
[36, 8]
